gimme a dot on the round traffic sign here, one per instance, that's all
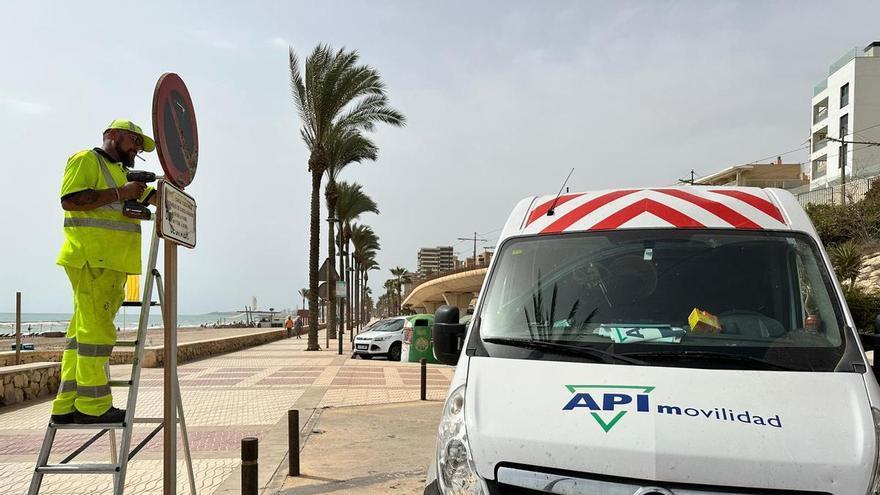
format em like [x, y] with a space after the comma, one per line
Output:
[174, 126]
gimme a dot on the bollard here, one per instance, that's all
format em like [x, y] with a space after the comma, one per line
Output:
[293, 441]
[249, 454]
[424, 363]
[18, 328]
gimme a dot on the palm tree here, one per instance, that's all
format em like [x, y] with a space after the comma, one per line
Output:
[367, 304]
[366, 244]
[368, 266]
[336, 96]
[352, 203]
[401, 276]
[304, 292]
[390, 290]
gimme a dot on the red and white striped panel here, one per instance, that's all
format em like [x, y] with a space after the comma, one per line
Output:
[680, 207]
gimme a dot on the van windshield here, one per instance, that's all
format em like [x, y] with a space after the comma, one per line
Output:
[689, 298]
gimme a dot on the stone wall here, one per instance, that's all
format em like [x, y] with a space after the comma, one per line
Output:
[187, 351]
[191, 351]
[7, 358]
[28, 381]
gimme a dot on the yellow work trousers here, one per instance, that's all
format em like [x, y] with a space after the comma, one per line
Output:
[97, 296]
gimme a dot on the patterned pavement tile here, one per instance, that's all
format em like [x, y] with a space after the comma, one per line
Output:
[299, 382]
[144, 477]
[224, 407]
[225, 440]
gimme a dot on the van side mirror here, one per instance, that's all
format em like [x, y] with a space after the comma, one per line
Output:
[872, 343]
[448, 335]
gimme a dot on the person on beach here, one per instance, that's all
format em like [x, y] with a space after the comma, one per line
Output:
[288, 324]
[101, 247]
[298, 326]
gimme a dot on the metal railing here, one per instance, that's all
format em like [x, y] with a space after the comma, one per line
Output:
[855, 190]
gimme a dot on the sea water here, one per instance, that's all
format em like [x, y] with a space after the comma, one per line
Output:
[127, 319]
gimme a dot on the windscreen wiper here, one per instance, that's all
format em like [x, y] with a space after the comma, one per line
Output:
[694, 355]
[567, 349]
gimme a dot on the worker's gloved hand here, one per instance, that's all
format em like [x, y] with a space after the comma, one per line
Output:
[132, 190]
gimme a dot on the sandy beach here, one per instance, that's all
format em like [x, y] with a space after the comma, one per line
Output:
[154, 337]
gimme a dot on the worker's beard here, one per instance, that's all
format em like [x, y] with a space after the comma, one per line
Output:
[125, 159]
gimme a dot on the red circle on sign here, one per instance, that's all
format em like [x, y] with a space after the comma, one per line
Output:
[174, 126]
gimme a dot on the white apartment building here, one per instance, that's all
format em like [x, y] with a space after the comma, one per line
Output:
[436, 259]
[846, 106]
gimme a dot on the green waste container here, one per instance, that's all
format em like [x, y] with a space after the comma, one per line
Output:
[418, 344]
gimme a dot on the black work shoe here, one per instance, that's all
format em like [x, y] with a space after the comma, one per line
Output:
[113, 415]
[63, 419]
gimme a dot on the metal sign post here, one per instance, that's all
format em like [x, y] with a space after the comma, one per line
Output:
[177, 143]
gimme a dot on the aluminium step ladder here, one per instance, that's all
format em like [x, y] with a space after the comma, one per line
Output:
[121, 455]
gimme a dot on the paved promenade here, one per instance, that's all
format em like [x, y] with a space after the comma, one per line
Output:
[247, 393]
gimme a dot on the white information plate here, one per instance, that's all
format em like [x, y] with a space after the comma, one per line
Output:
[177, 215]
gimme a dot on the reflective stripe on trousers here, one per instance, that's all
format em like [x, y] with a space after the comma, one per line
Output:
[93, 392]
[94, 350]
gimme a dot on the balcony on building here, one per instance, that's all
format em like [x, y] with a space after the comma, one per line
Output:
[820, 111]
[819, 167]
[820, 139]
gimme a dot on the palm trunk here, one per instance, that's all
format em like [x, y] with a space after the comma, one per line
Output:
[314, 240]
[342, 319]
[355, 297]
[365, 279]
[330, 193]
[348, 286]
[357, 294]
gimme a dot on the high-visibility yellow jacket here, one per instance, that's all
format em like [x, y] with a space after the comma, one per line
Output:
[102, 237]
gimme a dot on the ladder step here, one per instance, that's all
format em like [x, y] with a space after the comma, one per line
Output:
[96, 426]
[78, 468]
[137, 304]
[126, 343]
[104, 426]
[120, 383]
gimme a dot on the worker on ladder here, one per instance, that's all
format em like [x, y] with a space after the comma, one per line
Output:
[101, 247]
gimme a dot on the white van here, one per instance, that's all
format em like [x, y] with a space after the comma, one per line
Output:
[672, 341]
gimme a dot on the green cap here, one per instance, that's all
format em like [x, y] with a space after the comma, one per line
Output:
[127, 125]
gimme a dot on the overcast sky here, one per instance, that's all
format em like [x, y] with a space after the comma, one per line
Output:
[502, 100]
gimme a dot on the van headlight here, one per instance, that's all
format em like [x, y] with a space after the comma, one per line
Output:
[455, 467]
[875, 479]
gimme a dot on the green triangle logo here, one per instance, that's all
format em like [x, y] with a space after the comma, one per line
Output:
[607, 426]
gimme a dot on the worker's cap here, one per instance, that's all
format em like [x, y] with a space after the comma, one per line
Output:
[127, 125]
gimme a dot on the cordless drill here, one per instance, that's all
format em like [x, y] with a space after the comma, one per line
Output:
[132, 207]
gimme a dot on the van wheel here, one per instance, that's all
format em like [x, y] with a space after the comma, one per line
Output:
[394, 352]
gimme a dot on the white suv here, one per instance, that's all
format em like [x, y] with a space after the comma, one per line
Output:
[383, 338]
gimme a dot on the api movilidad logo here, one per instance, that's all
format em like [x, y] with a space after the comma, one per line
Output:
[608, 404]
